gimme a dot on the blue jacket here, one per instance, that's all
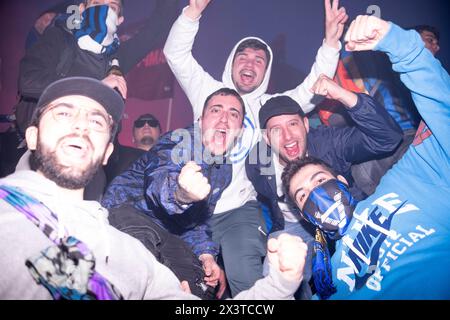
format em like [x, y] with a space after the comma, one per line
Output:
[150, 184]
[398, 244]
[375, 133]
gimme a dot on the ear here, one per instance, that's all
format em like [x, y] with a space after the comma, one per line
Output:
[266, 137]
[306, 124]
[120, 21]
[31, 136]
[342, 179]
[108, 152]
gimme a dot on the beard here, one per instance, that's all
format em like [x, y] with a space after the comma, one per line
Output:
[147, 141]
[72, 178]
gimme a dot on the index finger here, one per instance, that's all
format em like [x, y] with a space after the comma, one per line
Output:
[327, 4]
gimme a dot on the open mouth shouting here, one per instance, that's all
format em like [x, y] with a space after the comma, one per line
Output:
[247, 76]
[75, 150]
[292, 149]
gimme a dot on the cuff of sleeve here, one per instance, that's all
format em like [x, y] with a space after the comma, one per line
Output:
[359, 103]
[185, 19]
[329, 50]
[287, 287]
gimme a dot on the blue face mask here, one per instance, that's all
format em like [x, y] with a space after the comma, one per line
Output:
[330, 207]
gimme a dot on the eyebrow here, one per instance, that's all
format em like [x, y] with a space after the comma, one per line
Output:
[311, 179]
[242, 53]
[71, 106]
[221, 107]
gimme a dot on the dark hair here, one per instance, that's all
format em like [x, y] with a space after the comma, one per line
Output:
[122, 3]
[425, 27]
[226, 92]
[255, 45]
[295, 166]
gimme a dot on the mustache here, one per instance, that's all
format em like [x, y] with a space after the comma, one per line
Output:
[74, 135]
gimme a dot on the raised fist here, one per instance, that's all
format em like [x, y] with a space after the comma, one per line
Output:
[365, 33]
[192, 185]
[287, 254]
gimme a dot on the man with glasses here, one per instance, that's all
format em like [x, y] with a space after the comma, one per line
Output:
[146, 131]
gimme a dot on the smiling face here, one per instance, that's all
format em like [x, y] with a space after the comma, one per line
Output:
[221, 123]
[71, 140]
[287, 136]
[249, 69]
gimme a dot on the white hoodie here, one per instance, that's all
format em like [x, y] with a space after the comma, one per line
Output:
[131, 268]
[198, 85]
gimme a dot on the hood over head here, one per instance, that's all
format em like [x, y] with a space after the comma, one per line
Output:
[227, 73]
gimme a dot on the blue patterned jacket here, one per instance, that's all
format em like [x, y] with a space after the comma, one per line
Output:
[150, 184]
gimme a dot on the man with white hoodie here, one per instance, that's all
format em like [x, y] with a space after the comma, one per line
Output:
[56, 245]
[238, 225]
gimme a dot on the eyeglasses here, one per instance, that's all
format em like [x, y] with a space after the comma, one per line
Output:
[151, 122]
[67, 114]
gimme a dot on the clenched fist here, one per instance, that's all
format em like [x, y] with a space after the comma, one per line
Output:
[329, 89]
[365, 33]
[192, 185]
[287, 254]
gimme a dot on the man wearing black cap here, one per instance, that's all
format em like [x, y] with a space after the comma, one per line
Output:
[146, 131]
[288, 134]
[56, 245]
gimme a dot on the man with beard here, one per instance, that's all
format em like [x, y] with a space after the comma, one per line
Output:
[146, 131]
[396, 243]
[56, 245]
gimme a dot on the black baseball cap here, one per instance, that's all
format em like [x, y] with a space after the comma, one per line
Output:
[278, 106]
[87, 87]
[149, 118]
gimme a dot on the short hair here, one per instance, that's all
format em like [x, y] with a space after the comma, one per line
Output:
[122, 3]
[226, 92]
[295, 166]
[254, 44]
[424, 27]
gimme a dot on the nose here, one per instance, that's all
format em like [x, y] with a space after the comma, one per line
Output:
[249, 62]
[224, 117]
[81, 122]
[287, 134]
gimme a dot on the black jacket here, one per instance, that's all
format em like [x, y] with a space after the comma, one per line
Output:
[374, 133]
[56, 55]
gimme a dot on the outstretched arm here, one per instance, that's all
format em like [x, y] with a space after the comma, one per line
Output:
[419, 70]
[150, 36]
[196, 82]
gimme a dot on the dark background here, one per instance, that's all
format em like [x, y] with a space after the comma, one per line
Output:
[297, 24]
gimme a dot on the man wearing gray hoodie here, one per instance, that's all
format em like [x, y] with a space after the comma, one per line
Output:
[56, 245]
[238, 225]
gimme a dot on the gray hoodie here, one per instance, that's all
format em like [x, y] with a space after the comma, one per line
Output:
[130, 267]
